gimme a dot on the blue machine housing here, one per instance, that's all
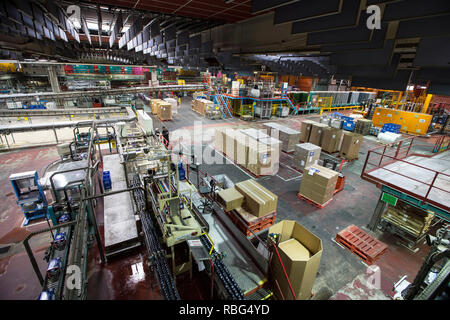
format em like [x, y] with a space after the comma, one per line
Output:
[30, 195]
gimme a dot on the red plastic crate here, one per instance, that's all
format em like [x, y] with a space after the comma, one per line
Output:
[362, 244]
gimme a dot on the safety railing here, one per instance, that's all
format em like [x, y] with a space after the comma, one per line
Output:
[382, 156]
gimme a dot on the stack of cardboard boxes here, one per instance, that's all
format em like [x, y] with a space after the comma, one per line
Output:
[288, 137]
[154, 104]
[318, 184]
[315, 136]
[363, 126]
[164, 110]
[202, 106]
[305, 155]
[258, 201]
[305, 130]
[230, 199]
[249, 198]
[300, 252]
[351, 143]
[331, 139]
[259, 157]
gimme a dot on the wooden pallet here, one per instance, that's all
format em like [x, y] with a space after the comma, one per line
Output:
[255, 224]
[311, 202]
[361, 244]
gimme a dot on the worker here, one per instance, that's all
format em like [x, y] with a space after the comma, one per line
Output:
[157, 133]
[165, 134]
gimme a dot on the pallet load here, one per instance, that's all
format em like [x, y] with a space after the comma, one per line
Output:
[275, 144]
[331, 139]
[318, 185]
[288, 137]
[305, 130]
[325, 120]
[413, 220]
[300, 253]
[230, 199]
[173, 102]
[306, 155]
[220, 139]
[351, 143]
[241, 144]
[164, 111]
[336, 123]
[260, 158]
[363, 126]
[257, 200]
[154, 104]
[202, 106]
[315, 136]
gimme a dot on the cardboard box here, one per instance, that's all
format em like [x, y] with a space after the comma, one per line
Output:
[275, 144]
[331, 137]
[262, 159]
[241, 147]
[219, 139]
[202, 106]
[164, 110]
[318, 184]
[154, 104]
[229, 143]
[305, 155]
[230, 198]
[296, 243]
[315, 136]
[288, 137]
[258, 200]
[305, 130]
[254, 133]
[351, 143]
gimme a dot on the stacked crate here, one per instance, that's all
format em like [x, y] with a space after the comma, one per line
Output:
[363, 126]
[412, 220]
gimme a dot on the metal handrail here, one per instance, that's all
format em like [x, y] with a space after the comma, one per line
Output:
[365, 174]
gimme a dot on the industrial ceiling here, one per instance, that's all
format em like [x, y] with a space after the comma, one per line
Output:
[326, 38]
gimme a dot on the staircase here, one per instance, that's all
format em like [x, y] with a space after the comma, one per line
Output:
[223, 105]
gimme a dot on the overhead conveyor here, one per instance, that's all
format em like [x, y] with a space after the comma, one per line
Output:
[97, 93]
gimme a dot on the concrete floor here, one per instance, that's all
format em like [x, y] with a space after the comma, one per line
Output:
[127, 277]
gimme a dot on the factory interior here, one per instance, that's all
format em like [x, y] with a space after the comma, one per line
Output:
[225, 150]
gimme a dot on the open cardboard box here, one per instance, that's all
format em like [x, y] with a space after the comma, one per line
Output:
[300, 268]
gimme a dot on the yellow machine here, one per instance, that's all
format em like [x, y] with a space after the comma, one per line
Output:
[411, 122]
[145, 157]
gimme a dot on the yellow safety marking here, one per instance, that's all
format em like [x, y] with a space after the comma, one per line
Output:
[268, 296]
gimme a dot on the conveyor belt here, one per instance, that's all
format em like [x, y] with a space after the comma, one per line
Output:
[119, 221]
[157, 255]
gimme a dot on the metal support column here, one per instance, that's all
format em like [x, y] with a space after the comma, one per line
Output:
[376, 217]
